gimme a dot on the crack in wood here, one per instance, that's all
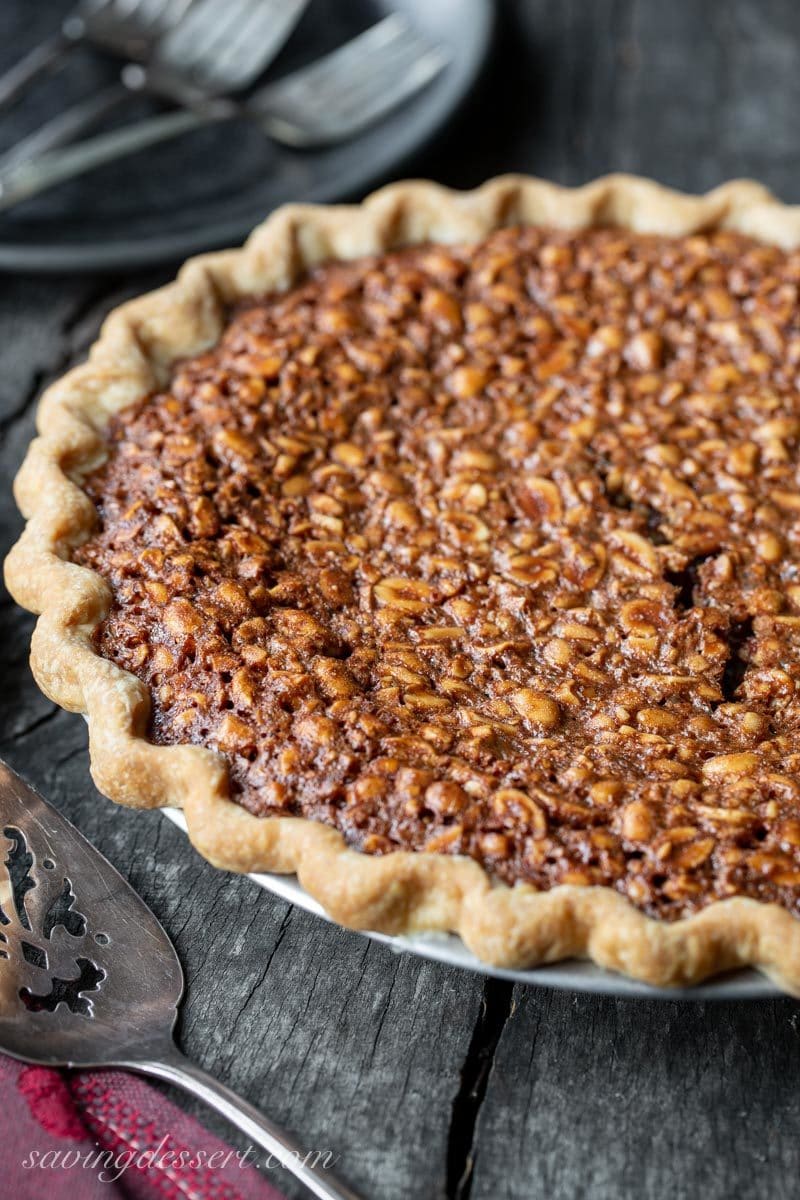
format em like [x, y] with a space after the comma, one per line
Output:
[282, 930]
[17, 735]
[496, 1008]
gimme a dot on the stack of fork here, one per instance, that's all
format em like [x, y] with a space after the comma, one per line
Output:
[200, 55]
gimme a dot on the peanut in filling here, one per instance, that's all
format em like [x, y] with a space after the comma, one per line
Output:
[489, 550]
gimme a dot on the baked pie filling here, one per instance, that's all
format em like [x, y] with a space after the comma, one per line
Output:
[489, 550]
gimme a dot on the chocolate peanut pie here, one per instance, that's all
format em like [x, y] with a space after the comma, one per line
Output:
[485, 551]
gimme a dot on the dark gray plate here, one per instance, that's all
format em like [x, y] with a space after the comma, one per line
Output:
[210, 188]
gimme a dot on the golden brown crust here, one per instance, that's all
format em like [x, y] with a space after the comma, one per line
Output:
[400, 892]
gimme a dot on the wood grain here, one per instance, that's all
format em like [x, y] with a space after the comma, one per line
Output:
[427, 1082]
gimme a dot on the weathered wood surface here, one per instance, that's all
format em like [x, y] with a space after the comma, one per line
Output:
[427, 1082]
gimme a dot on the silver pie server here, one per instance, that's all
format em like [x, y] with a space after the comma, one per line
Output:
[88, 978]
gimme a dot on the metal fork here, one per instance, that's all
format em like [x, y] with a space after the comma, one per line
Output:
[217, 47]
[330, 101]
[88, 977]
[127, 27]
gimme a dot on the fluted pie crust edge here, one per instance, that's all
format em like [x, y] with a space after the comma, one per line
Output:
[400, 892]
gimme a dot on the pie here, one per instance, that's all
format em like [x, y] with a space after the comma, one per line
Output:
[445, 550]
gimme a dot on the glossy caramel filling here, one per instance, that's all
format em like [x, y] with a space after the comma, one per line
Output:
[489, 550]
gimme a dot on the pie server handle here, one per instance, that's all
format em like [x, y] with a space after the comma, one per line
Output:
[307, 1166]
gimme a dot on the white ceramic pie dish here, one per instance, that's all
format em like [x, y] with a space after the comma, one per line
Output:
[572, 975]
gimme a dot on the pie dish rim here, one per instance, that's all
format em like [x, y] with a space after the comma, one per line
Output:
[401, 892]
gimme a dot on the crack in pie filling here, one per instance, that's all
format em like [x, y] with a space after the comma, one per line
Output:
[488, 550]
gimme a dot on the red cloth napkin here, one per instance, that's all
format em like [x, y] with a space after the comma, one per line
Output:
[100, 1135]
